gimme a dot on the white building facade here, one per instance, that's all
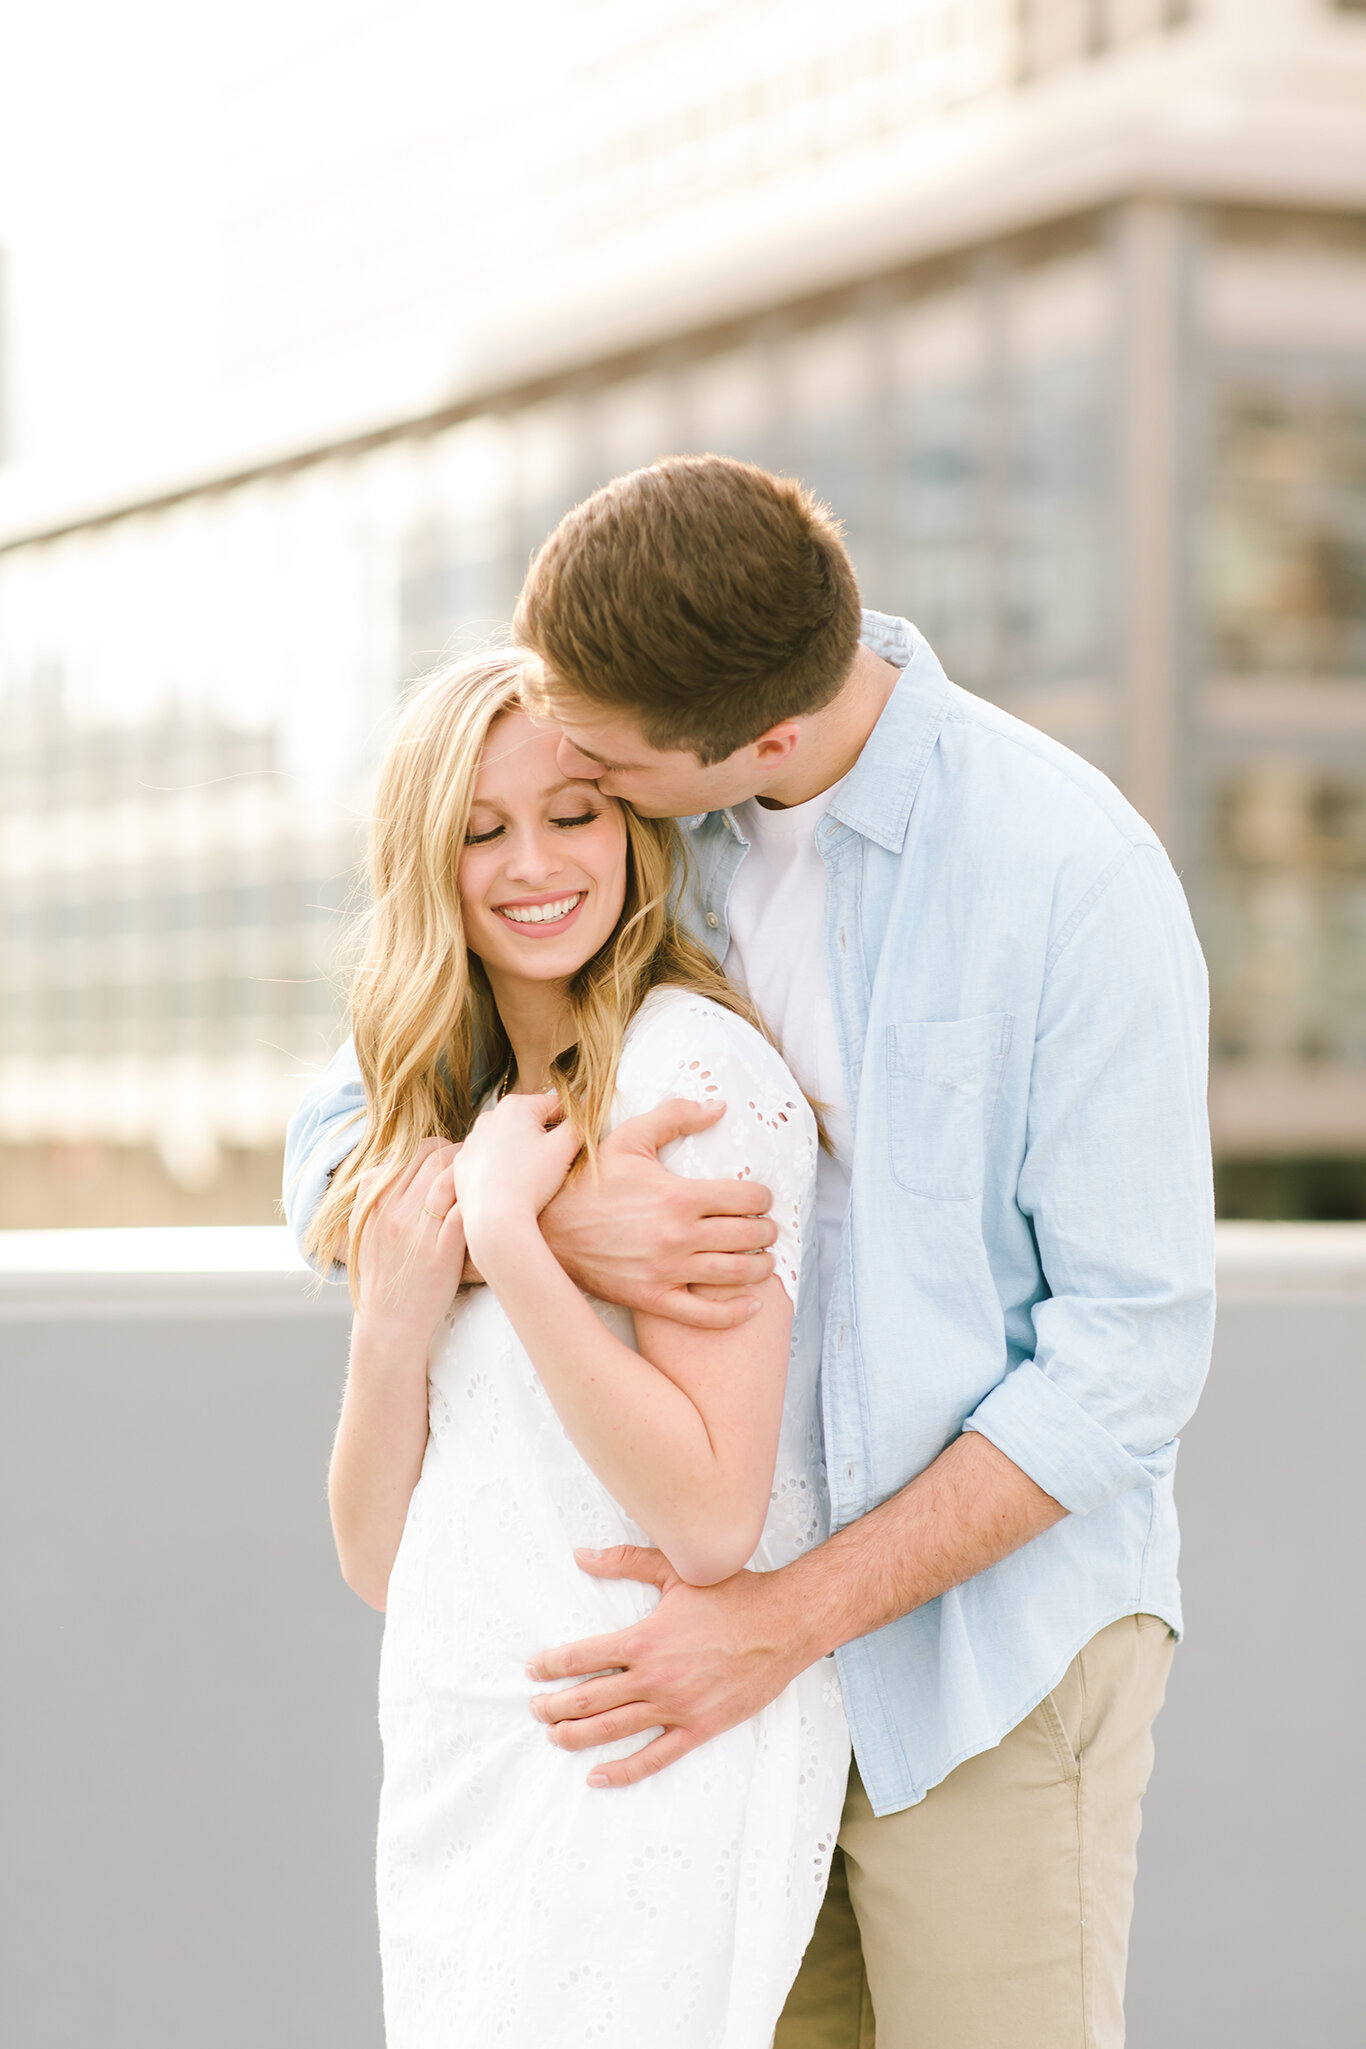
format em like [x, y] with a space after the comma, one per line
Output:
[1062, 305]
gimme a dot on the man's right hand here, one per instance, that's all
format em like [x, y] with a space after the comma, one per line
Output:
[636, 1234]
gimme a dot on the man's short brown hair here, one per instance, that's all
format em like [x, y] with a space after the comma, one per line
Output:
[703, 597]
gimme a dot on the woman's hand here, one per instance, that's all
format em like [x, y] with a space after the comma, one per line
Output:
[509, 1167]
[412, 1251]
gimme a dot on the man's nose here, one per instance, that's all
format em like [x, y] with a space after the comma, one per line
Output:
[580, 767]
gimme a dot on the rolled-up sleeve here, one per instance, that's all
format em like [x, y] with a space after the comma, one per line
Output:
[326, 1126]
[1117, 1184]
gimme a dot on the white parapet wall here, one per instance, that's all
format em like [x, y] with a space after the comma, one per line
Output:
[1269, 1262]
[199, 1269]
[189, 1845]
[190, 1271]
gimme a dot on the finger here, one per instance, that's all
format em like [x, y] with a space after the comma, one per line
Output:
[628, 1561]
[438, 1161]
[532, 1109]
[438, 1196]
[582, 1703]
[420, 1162]
[680, 1305]
[740, 1234]
[566, 1139]
[731, 1198]
[450, 1237]
[729, 1269]
[629, 1771]
[610, 1728]
[576, 1660]
[677, 1118]
[404, 1180]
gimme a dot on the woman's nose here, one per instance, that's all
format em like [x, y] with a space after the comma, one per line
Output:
[534, 858]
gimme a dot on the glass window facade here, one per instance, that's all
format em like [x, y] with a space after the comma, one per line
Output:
[192, 698]
[1286, 564]
[1277, 682]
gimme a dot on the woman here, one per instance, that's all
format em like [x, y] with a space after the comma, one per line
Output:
[522, 956]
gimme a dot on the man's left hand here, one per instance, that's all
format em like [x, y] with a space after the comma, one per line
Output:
[704, 1660]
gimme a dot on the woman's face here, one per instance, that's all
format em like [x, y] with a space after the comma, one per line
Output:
[543, 875]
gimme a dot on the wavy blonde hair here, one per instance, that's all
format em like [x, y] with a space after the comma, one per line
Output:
[428, 1038]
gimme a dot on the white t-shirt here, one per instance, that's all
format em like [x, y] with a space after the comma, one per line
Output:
[777, 953]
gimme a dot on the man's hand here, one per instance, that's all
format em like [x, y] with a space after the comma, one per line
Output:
[706, 1659]
[709, 1657]
[636, 1234]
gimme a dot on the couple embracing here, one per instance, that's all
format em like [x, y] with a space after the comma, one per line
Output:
[771, 1167]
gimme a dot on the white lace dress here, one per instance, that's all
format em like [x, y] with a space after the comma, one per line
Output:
[519, 1908]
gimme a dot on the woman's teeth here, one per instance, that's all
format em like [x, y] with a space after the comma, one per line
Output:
[541, 914]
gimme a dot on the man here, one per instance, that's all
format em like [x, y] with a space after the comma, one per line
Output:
[977, 957]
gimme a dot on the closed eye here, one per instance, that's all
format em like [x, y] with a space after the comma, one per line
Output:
[483, 839]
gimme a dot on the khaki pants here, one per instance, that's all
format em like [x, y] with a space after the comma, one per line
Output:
[995, 1914]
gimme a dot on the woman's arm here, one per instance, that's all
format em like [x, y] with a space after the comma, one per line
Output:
[684, 1433]
[411, 1256]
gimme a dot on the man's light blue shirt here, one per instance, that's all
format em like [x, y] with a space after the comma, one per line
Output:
[1021, 1007]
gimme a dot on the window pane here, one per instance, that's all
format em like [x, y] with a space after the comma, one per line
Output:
[1286, 932]
[1284, 559]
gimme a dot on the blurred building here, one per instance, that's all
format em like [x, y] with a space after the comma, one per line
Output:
[1061, 303]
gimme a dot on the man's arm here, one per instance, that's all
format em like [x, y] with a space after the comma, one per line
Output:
[709, 1657]
[326, 1126]
[634, 1233]
[1116, 1179]
[1118, 1185]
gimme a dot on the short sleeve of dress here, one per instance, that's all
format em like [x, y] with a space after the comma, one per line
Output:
[685, 1045]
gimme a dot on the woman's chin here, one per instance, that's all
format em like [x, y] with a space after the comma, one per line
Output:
[545, 960]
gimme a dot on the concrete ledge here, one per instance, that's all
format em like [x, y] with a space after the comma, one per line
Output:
[193, 1271]
[255, 1271]
[1279, 1262]
[105, 1297]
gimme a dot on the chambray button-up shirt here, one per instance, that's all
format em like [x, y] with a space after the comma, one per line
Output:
[1028, 1251]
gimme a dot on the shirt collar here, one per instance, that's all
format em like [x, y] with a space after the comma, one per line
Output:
[876, 796]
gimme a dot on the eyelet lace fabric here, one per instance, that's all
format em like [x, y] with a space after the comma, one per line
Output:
[519, 1908]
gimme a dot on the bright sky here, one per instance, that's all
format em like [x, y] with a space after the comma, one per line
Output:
[131, 141]
[103, 114]
[233, 226]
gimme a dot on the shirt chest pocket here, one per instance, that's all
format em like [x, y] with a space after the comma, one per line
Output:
[942, 1084]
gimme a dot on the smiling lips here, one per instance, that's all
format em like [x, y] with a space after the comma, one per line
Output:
[554, 911]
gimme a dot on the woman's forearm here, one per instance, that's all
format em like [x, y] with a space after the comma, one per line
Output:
[377, 1455]
[644, 1437]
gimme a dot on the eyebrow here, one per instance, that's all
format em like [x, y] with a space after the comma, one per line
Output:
[550, 790]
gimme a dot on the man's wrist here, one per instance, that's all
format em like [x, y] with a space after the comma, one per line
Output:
[555, 1225]
[798, 1628]
[820, 1606]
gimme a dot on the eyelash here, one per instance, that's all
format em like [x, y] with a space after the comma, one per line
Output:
[482, 839]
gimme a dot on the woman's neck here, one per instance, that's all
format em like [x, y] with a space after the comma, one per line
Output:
[539, 1024]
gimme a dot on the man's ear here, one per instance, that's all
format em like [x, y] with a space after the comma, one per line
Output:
[774, 747]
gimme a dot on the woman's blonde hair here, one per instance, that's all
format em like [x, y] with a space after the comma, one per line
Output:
[428, 1038]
